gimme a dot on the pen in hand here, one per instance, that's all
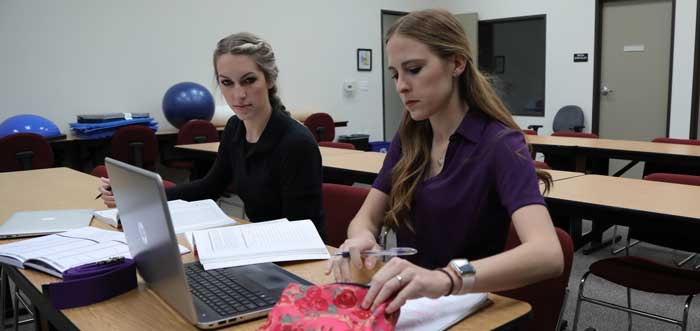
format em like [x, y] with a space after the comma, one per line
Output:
[396, 251]
[108, 188]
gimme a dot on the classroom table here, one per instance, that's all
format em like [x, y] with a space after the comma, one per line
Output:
[213, 148]
[635, 151]
[76, 152]
[59, 188]
[626, 201]
[365, 167]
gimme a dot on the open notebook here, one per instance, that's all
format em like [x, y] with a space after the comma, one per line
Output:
[56, 253]
[271, 241]
[186, 216]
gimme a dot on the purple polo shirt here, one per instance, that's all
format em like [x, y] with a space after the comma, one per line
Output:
[465, 210]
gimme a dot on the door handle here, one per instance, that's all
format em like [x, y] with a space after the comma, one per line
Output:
[605, 90]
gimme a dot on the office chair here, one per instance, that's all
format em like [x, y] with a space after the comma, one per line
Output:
[641, 274]
[136, 145]
[663, 238]
[194, 132]
[25, 151]
[336, 145]
[547, 297]
[541, 165]
[321, 126]
[341, 203]
[568, 119]
[531, 132]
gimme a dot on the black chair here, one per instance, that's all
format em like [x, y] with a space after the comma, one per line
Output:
[568, 118]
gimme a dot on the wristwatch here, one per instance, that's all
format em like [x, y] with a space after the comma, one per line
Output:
[465, 270]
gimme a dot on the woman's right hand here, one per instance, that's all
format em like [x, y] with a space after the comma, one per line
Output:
[340, 266]
[106, 191]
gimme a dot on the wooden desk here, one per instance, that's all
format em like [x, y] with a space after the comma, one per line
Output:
[203, 147]
[213, 148]
[656, 205]
[141, 309]
[635, 151]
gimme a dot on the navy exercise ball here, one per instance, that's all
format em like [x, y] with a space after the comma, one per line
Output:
[187, 101]
[29, 123]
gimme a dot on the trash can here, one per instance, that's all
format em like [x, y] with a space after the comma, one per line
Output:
[361, 141]
[379, 146]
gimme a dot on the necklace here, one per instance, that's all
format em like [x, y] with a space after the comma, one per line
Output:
[441, 161]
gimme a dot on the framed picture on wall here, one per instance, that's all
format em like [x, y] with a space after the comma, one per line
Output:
[499, 64]
[364, 59]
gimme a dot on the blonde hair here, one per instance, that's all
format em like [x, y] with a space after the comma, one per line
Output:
[445, 37]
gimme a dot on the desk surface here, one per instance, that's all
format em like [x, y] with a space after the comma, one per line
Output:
[214, 148]
[66, 188]
[631, 194]
[617, 145]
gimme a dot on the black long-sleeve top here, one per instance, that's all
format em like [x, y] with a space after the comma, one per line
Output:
[279, 176]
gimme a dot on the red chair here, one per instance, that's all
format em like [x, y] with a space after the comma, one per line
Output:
[574, 134]
[135, 144]
[321, 126]
[101, 171]
[541, 165]
[336, 145]
[25, 151]
[194, 132]
[645, 275]
[530, 132]
[547, 297]
[341, 203]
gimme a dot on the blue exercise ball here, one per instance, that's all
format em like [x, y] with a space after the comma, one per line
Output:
[187, 101]
[29, 123]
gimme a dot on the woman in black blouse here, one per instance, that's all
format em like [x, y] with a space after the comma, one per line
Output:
[271, 159]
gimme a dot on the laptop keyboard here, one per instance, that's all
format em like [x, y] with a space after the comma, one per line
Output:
[223, 292]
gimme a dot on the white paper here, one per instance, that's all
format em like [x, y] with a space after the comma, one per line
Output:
[198, 215]
[271, 241]
[438, 314]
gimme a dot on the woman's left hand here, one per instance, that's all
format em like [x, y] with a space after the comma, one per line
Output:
[407, 281]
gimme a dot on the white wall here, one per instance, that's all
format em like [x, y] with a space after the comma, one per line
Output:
[62, 58]
[571, 29]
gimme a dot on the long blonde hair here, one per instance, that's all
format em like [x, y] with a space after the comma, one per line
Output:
[445, 37]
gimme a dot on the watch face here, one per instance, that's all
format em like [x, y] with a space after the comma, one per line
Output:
[466, 269]
[463, 267]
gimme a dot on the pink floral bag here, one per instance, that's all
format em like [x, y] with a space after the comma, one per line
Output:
[329, 307]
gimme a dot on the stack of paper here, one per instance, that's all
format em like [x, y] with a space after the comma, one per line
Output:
[271, 241]
[186, 216]
[57, 253]
[439, 314]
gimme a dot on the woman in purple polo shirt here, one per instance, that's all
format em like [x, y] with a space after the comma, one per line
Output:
[457, 174]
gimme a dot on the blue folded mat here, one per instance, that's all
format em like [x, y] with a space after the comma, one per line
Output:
[107, 129]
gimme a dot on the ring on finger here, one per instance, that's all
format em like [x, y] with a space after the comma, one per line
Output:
[400, 279]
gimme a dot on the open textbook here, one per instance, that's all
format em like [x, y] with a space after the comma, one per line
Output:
[439, 314]
[186, 216]
[56, 253]
[271, 241]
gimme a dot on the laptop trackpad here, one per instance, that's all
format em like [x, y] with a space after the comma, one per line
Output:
[265, 278]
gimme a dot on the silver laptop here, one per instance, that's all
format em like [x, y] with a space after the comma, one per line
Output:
[207, 299]
[37, 223]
